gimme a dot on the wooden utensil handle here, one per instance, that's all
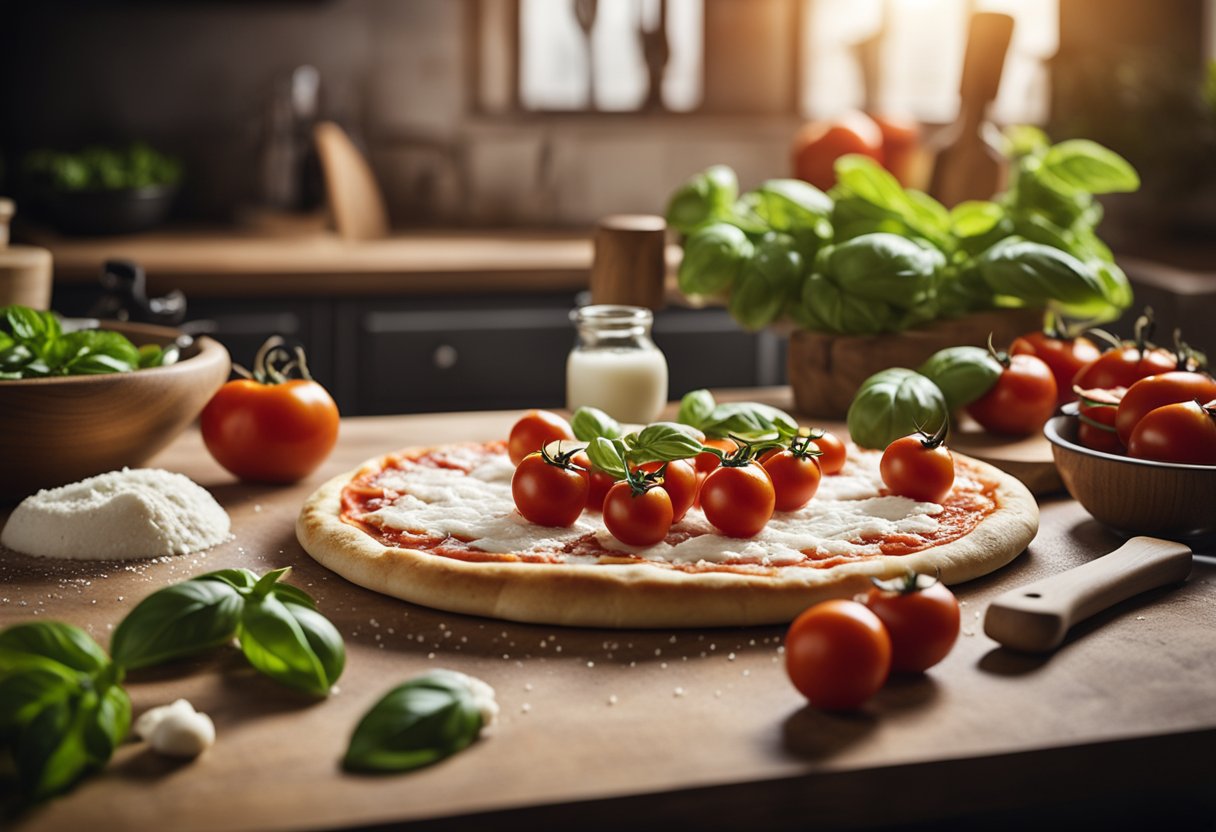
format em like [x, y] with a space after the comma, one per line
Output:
[1036, 617]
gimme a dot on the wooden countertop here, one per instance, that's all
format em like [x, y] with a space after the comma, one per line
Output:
[640, 729]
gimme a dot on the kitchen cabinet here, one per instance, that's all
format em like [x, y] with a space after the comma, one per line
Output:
[391, 354]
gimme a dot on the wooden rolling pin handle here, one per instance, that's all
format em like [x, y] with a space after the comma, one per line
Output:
[1035, 618]
[629, 265]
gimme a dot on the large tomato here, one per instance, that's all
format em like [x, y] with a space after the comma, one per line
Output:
[1182, 432]
[837, 654]
[549, 491]
[1124, 366]
[738, 499]
[1096, 414]
[833, 453]
[1065, 357]
[818, 145]
[1021, 401]
[922, 619]
[534, 430]
[795, 477]
[918, 467]
[637, 518]
[268, 432]
[1153, 392]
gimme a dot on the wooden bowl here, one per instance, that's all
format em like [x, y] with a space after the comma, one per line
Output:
[1135, 496]
[58, 430]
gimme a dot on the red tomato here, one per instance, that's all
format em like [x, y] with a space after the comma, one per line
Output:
[681, 484]
[1124, 366]
[795, 478]
[819, 144]
[834, 453]
[600, 482]
[637, 520]
[1020, 402]
[705, 461]
[917, 468]
[837, 654]
[1182, 432]
[738, 499]
[1065, 357]
[923, 623]
[270, 432]
[1153, 392]
[534, 430]
[549, 492]
[1096, 429]
[900, 143]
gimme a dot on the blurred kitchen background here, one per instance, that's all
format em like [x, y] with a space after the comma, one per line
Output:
[497, 133]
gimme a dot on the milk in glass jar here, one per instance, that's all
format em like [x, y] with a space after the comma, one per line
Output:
[614, 365]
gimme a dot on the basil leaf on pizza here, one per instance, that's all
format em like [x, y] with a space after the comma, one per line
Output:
[419, 723]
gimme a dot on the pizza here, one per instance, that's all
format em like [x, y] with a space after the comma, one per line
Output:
[438, 527]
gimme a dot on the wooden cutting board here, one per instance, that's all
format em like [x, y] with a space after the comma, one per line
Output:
[642, 729]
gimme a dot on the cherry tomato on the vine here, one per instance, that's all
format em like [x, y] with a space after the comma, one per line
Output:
[1183, 432]
[600, 482]
[1153, 392]
[921, 618]
[1124, 366]
[1021, 401]
[918, 467]
[1063, 356]
[738, 499]
[270, 428]
[706, 461]
[837, 654]
[833, 451]
[680, 482]
[795, 477]
[549, 491]
[533, 431]
[637, 519]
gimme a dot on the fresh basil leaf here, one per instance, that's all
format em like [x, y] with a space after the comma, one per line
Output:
[590, 422]
[70, 646]
[608, 455]
[27, 324]
[963, 374]
[177, 621]
[749, 420]
[1025, 140]
[414, 725]
[107, 725]
[293, 595]
[766, 281]
[713, 257]
[27, 692]
[696, 408]
[49, 751]
[98, 364]
[1087, 165]
[894, 403]
[705, 197]
[235, 578]
[975, 218]
[884, 267]
[662, 442]
[1037, 275]
[150, 355]
[827, 308]
[794, 205]
[288, 643]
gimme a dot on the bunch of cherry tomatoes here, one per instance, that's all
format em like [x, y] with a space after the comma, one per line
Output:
[1136, 398]
[737, 484]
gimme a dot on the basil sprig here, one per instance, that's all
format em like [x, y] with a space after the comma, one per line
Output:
[416, 724]
[33, 344]
[277, 625]
[659, 442]
[748, 420]
[591, 422]
[62, 709]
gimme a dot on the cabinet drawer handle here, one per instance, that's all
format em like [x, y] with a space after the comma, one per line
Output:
[445, 357]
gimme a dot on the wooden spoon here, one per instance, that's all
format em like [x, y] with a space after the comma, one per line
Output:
[1035, 618]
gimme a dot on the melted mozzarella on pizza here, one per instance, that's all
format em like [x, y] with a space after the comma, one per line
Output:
[464, 492]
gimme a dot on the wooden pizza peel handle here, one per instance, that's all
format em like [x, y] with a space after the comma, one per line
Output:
[1036, 617]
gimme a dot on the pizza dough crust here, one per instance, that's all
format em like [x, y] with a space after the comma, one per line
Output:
[639, 595]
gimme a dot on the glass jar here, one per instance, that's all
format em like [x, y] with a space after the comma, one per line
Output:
[614, 365]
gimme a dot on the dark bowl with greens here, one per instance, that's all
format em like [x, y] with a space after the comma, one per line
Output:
[108, 413]
[102, 190]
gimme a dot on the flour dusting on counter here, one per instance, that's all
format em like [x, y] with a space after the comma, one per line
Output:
[122, 515]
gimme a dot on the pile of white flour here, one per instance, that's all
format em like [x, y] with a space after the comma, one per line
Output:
[122, 515]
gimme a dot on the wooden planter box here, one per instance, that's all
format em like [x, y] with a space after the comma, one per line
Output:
[826, 370]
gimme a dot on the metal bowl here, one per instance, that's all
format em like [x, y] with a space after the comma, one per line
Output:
[1135, 496]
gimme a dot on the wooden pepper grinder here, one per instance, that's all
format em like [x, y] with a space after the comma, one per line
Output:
[25, 271]
[630, 266]
[968, 164]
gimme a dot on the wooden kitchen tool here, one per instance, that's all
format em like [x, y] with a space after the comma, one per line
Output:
[25, 271]
[355, 201]
[1036, 617]
[629, 265]
[967, 164]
